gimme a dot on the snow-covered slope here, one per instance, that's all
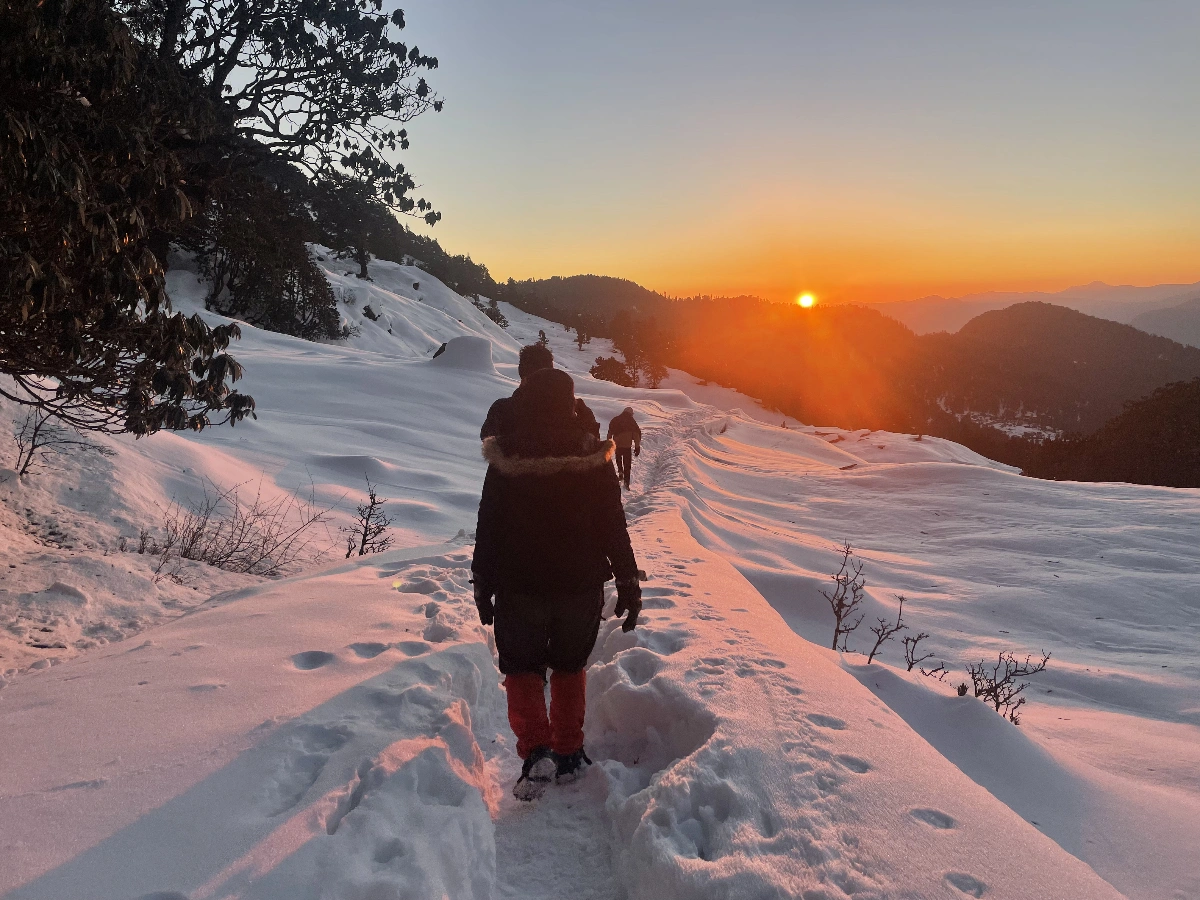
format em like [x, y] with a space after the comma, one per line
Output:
[342, 734]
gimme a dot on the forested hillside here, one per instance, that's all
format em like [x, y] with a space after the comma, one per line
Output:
[1154, 441]
[1050, 366]
[1119, 303]
[842, 365]
[597, 296]
[1032, 365]
[1002, 385]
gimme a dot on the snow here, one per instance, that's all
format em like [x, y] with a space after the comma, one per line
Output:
[467, 353]
[341, 733]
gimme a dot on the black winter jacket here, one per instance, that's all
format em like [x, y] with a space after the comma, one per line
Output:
[625, 430]
[501, 413]
[550, 518]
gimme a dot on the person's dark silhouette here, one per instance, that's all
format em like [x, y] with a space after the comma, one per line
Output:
[623, 430]
[551, 532]
[534, 358]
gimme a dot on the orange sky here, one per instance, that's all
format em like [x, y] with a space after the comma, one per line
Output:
[870, 151]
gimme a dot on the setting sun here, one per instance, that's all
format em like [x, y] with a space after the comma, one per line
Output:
[806, 300]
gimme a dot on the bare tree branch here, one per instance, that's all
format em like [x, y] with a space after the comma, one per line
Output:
[885, 631]
[846, 597]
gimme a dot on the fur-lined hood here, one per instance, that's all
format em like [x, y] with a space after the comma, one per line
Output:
[545, 465]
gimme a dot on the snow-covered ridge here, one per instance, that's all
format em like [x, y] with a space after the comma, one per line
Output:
[341, 733]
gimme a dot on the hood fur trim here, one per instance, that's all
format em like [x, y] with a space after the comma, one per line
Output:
[545, 465]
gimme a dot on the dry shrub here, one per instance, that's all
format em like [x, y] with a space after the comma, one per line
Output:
[238, 533]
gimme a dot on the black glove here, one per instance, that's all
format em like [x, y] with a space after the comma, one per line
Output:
[484, 593]
[629, 600]
[637, 451]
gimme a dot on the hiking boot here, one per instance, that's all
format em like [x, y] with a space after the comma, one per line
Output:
[571, 766]
[536, 773]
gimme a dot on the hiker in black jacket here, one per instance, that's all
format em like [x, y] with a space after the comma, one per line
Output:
[551, 532]
[534, 358]
[624, 431]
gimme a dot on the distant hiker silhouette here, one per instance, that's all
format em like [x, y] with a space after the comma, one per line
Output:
[623, 430]
[551, 532]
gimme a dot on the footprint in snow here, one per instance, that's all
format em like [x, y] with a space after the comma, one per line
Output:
[388, 851]
[968, 884]
[205, 688]
[823, 721]
[413, 648]
[639, 665]
[933, 818]
[419, 586]
[312, 659]
[665, 641]
[309, 748]
[437, 631]
[854, 764]
[91, 785]
[367, 649]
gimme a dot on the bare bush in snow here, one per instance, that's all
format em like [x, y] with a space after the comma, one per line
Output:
[846, 597]
[255, 536]
[885, 630]
[39, 435]
[999, 684]
[912, 655]
[939, 671]
[368, 534]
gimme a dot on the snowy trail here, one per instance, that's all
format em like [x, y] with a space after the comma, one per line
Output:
[556, 847]
[560, 846]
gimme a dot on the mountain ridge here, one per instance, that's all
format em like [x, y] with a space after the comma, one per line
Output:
[1180, 323]
[1118, 303]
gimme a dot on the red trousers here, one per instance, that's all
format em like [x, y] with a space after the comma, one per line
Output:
[562, 730]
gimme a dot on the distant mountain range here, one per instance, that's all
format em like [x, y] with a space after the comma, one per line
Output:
[1049, 365]
[987, 371]
[1179, 323]
[1118, 303]
[1167, 310]
[1032, 366]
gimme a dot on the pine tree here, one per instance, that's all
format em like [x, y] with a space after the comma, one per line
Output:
[609, 368]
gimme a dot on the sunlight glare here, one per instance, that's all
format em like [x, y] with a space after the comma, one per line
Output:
[806, 300]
